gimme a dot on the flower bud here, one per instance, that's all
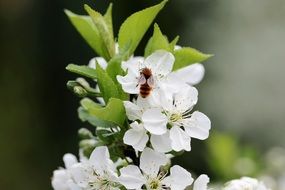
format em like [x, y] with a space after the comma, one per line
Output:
[84, 133]
[80, 91]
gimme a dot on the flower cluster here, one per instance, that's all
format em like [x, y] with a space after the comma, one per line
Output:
[141, 107]
[165, 116]
[100, 172]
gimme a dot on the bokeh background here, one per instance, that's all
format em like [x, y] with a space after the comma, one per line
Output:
[243, 90]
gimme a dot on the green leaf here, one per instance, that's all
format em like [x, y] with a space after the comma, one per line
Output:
[109, 20]
[88, 31]
[187, 56]
[84, 116]
[106, 85]
[103, 24]
[114, 67]
[156, 42]
[173, 43]
[105, 135]
[82, 70]
[113, 113]
[133, 29]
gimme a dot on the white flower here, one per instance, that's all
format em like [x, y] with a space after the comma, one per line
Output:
[160, 64]
[96, 173]
[62, 179]
[245, 183]
[178, 110]
[169, 108]
[149, 174]
[137, 135]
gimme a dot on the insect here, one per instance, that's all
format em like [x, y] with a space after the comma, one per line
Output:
[146, 82]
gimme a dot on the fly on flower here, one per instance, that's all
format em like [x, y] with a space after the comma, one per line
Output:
[146, 82]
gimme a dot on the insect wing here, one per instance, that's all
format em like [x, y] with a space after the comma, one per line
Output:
[142, 80]
[150, 81]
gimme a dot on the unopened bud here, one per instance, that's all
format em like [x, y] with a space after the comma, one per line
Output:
[87, 143]
[85, 134]
[87, 146]
[83, 82]
[80, 91]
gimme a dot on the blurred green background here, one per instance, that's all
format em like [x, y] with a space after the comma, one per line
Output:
[243, 91]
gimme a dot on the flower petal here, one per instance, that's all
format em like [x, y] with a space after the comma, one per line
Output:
[197, 126]
[59, 179]
[100, 159]
[160, 62]
[179, 139]
[161, 143]
[201, 182]
[69, 160]
[133, 64]
[131, 177]
[80, 173]
[192, 74]
[100, 60]
[129, 83]
[133, 111]
[179, 178]
[154, 121]
[151, 161]
[186, 98]
[136, 137]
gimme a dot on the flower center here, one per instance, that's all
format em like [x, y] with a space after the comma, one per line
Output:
[101, 181]
[175, 117]
[154, 184]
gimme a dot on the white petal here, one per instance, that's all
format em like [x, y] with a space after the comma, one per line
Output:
[81, 173]
[131, 177]
[69, 160]
[154, 121]
[59, 179]
[133, 64]
[151, 161]
[163, 97]
[198, 126]
[192, 74]
[171, 84]
[133, 111]
[100, 159]
[100, 60]
[136, 137]
[201, 182]
[129, 83]
[161, 143]
[160, 62]
[179, 178]
[179, 139]
[146, 103]
[186, 98]
[72, 185]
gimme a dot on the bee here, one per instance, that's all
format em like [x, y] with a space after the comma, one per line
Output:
[146, 82]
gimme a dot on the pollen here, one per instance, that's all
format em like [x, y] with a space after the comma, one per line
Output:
[175, 117]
